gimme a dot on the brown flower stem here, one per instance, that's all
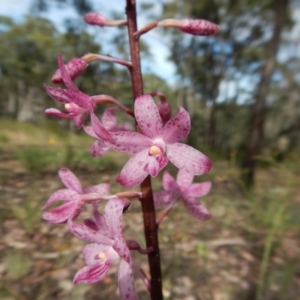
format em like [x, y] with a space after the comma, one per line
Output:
[150, 227]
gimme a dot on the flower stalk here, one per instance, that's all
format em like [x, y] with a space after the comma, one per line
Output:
[147, 202]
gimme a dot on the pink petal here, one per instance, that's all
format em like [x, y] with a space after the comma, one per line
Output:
[165, 110]
[199, 189]
[98, 148]
[57, 113]
[63, 195]
[90, 131]
[79, 98]
[92, 274]
[169, 183]
[70, 180]
[85, 233]
[65, 74]
[130, 142]
[126, 282]
[196, 209]
[189, 159]
[147, 116]
[99, 129]
[120, 246]
[91, 251]
[178, 127]
[74, 67]
[100, 221]
[155, 164]
[164, 198]
[80, 119]
[90, 223]
[133, 173]
[184, 179]
[58, 94]
[61, 213]
[109, 119]
[113, 213]
[101, 189]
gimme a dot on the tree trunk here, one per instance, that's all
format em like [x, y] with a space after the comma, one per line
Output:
[255, 134]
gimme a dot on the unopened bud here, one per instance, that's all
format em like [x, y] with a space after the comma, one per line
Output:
[95, 19]
[195, 27]
[74, 67]
[99, 20]
[164, 109]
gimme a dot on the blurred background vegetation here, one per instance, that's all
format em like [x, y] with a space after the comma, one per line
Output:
[242, 89]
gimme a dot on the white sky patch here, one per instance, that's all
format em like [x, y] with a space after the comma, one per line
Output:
[14, 8]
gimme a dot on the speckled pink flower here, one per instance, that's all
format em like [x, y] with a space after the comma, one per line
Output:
[74, 197]
[183, 188]
[105, 233]
[156, 144]
[77, 104]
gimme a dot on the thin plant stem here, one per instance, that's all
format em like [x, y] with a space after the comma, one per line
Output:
[148, 209]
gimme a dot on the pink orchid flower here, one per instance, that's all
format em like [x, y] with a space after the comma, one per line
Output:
[77, 104]
[74, 196]
[108, 245]
[109, 121]
[184, 188]
[156, 144]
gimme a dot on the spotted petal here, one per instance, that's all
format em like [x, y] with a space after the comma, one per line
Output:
[184, 179]
[85, 233]
[109, 119]
[199, 189]
[61, 213]
[133, 173]
[70, 180]
[126, 282]
[169, 183]
[196, 209]
[92, 274]
[178, 127]
[58, 94]
[61, 195]
[147, 116]
[188, 159]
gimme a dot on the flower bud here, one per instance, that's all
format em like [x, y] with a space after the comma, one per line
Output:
[195, 27]
[74, 67]
[95, 19]
[99, 20]
[164, 109]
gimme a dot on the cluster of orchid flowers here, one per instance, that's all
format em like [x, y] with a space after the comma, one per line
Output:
[155, 144]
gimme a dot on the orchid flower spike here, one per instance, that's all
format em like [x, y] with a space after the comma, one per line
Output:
[105, 232]
[74, 196]
[183, 188]
[156, 144]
